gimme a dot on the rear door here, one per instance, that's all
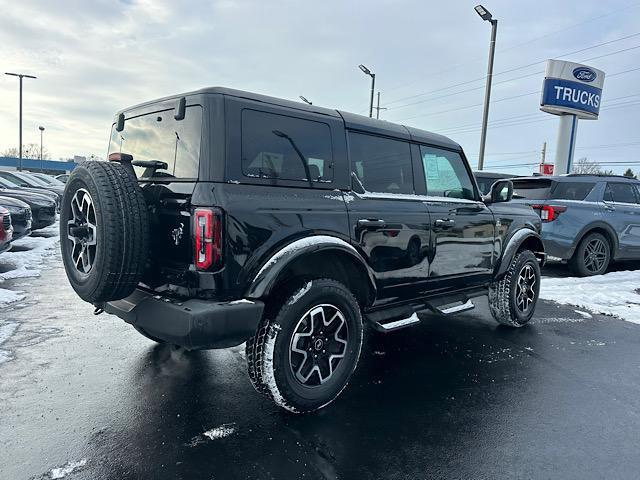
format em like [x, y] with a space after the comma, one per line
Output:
[622, 211]
[462, 225]
[389, 223]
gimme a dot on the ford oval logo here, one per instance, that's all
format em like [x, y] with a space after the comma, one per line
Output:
[584, 74]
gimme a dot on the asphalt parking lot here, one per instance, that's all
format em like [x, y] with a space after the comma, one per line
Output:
[86, 397]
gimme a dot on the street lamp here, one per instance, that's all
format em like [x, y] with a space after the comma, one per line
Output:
[486, 16]
[366, 71]
[20, 76]
[41, 128]
[305, 100]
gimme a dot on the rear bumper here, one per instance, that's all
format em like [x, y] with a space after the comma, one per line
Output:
[193, 324]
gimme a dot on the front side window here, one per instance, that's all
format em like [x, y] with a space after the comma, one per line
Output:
[620, 193]
[288, 148]
[382, 165]
[159, 136]
[446, 174]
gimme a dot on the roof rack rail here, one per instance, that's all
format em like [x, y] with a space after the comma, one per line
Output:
[598, 175]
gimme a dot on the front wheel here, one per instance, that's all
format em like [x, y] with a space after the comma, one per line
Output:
[513, 299]
[307, 347]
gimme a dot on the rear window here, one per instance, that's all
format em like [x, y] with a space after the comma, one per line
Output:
[382, 165]
[532, 189]
[159, 136]
[288, 148]
[544, 189]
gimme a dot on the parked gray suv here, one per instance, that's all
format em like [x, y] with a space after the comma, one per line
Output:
[587, 220]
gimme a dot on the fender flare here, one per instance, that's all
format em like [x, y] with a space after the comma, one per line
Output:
[268, 274]
[513, 244]
[592, 226]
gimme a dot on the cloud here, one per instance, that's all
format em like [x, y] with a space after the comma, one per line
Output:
[93, 58]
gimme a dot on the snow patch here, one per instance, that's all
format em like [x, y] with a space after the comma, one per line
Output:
[222, 431]
[298, 295]
[583, 314]
[610, 294]
[557, 320]
[67, 468]
[242, 300]
[269, 371]
[9, 296]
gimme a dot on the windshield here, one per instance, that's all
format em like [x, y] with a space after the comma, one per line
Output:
[7, 183]
[49, 180]
[31, 180]
[160, 137]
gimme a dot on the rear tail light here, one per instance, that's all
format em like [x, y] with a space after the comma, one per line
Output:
[548, 213]
[208, 238]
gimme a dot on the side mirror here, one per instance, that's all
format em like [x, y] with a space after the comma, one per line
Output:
[120, 123]
[181, 107]
[501, 191]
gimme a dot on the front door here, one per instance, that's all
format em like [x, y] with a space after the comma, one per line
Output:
[622, 211]
[463, 227]
[388, 222]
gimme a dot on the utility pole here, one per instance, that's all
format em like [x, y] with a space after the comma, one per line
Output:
[378, 107]
[544, 153]
[20, 76]
[486, 15]
[41, 128]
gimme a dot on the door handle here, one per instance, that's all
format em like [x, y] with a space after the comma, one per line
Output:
[371, 223]
[611, 208]
[445, 222]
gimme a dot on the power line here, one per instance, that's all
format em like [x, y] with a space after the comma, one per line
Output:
[465, 63]
[511, 79]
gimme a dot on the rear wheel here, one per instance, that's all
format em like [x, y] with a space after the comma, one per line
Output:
[305, 351]
[104, 231]
[592, 256]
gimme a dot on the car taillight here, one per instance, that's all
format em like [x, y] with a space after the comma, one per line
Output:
[208, 238]
[548, 213]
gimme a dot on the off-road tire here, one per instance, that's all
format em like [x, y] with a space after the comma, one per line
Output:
[268, 351]
[122, 236]
[502, 294]
[577, 263]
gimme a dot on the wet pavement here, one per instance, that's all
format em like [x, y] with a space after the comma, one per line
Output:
[87, 397]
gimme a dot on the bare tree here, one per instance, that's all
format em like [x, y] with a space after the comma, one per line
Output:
[629, 173]
[31, 150]
[589, 167]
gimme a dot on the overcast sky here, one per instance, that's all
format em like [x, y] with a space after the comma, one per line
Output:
[95, 57]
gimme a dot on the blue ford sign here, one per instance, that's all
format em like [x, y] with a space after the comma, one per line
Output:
[571, 88]
[584, 74]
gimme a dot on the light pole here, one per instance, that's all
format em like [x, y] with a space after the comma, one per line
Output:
[20, 76]
[41, 128]
[486, 15]
[366, 71]
[305, 100]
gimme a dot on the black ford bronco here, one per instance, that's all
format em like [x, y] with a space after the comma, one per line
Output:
[225, 217]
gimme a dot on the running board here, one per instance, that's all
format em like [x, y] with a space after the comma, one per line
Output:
[397, 324]
[463, 307]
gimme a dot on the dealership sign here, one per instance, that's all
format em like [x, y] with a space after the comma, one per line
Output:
[571, 88]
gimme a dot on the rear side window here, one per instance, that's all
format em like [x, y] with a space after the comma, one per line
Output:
[571, 190]
[278, 146]
[620, 193]
[533, 189]
[382, 165]
[446, 174]
[159, 136]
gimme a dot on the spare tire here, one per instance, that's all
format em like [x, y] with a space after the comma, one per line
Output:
[104, 231]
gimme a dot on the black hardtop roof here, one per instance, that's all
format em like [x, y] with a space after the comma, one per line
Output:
[573, 177]
[351, 120]
[484, 174]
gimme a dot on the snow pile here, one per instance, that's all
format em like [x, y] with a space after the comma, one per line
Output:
[6, 330]
[222, 431]
[26, 258]
[616, 293]
[67, 468]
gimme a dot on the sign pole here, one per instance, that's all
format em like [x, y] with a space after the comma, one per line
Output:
[566, 143]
